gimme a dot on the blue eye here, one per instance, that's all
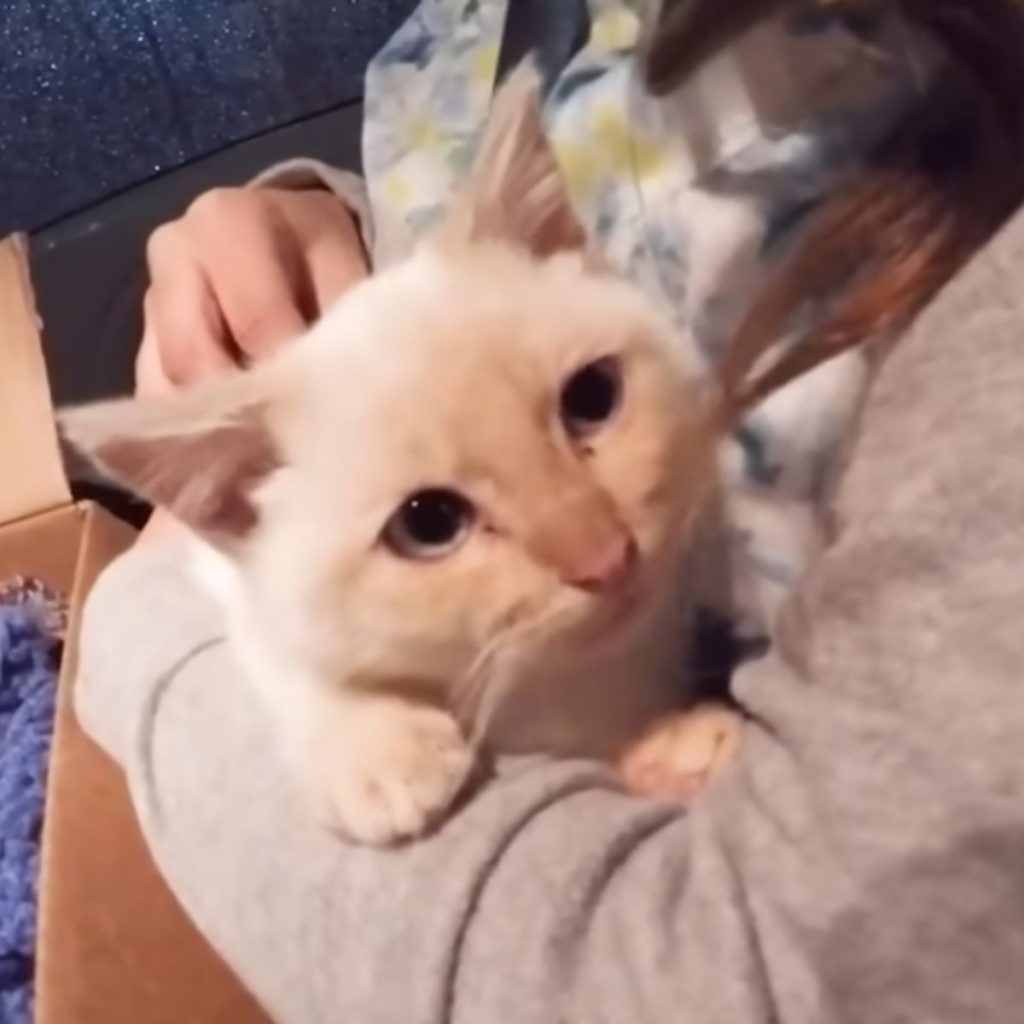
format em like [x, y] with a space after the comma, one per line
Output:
[429, 524]
[591, 396]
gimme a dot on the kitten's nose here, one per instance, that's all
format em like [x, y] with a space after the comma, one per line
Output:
[608, 566]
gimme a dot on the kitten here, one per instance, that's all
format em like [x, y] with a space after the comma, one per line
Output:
[456, 512]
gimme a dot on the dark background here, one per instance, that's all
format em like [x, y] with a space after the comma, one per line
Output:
[99, 95]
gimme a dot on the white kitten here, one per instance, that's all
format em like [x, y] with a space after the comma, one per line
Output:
[457, 510]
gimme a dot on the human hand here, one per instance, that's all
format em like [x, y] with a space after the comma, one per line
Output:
[244, 270]
[241, 272]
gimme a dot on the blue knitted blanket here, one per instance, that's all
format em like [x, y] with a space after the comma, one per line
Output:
[29, 653]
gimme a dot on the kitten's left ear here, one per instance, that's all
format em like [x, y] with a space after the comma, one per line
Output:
[200, 454]
[516, 192]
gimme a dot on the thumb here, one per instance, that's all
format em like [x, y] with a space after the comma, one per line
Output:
[150, 378]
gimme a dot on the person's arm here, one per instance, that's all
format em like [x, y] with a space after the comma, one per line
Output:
[861, 861]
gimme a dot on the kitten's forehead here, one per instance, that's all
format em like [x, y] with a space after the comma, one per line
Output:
[494, 312]
[439, 364]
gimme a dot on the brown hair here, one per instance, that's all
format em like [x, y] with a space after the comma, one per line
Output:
[928, 198]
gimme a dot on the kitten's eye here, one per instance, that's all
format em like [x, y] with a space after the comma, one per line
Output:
[590, 396]
[429, 524]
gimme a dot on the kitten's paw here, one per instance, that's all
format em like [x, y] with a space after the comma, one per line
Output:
[390, 771]
[682, 753]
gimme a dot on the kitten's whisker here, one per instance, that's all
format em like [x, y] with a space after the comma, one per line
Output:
[480, 692]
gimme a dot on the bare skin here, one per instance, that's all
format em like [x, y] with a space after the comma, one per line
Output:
[242, 272]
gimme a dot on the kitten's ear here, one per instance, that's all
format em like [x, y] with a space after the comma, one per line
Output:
[516, 192]
[200, 454]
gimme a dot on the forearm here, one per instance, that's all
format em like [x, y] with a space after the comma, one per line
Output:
[351, 933]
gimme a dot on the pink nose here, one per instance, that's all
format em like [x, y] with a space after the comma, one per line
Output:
[607, 567]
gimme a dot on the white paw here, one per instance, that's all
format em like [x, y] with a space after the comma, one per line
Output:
[387, 771]
[683, 753]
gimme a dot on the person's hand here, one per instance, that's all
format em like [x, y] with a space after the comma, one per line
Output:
[243, 271]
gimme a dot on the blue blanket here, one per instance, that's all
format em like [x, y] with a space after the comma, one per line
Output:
[28, 686]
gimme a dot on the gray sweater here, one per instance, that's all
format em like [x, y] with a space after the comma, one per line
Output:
[863, 861]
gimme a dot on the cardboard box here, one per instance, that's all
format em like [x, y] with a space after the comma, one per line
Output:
[114, 946]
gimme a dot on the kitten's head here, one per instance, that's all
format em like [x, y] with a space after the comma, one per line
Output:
[492, 445]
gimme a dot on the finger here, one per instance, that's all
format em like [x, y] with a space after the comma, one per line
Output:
[150, 378]
[335, 258]
[189, 331]
[254, 270]
[182, 315]
[334, 266]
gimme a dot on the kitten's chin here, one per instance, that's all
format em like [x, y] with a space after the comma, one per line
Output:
[599, 683]
[616, 618]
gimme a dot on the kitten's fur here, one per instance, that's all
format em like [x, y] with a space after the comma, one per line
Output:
[444, 370]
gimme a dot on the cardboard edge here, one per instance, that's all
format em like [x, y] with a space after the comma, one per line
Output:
[32, 469]
[101, 539]
[113, 942]
[92, 960]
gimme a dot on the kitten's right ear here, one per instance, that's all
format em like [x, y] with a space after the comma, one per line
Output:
[516, 192]
[200, 454]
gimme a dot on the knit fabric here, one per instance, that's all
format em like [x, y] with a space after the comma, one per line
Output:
[30, 623]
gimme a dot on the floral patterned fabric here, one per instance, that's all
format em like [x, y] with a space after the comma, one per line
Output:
[693, 196]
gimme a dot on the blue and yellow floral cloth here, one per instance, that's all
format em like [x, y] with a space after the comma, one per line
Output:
[693, 196]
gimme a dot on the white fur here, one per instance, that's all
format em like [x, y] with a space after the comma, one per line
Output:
[382, 673]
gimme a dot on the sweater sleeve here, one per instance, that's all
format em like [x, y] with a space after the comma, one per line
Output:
[308, 173]
[861, 860]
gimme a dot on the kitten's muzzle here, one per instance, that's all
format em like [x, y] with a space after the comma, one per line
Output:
[607, 567]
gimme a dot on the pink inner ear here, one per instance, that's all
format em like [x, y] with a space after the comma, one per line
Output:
[205, 479]
[559, 231]
[240, 460]
[516, 193]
